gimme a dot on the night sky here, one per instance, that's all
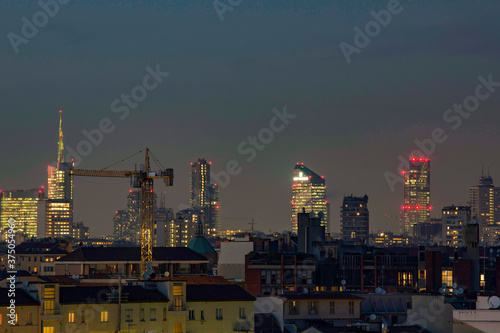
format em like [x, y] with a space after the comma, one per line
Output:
[352, 120]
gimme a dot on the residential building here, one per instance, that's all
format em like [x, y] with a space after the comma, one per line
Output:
[305, 309]
[224, 308]
[80, 231]
[355, 218]
[37, 257]
[26, 317]
[417, 183]
[125, 261]
[454, 218]
[309, 193]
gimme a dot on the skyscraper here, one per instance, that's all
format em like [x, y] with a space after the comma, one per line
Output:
[416, 207]
[59, 206]
[22, 206]
[355, 218]
[204, 196]
[484, 200]
[309, 192]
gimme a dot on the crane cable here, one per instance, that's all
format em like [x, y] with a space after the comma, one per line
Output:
[126, 158]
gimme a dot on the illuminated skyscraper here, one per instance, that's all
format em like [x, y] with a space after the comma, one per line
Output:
[416, 207]
[22, 206]
[484, 200]
[59, 206]
[309, 192]
[204, 196]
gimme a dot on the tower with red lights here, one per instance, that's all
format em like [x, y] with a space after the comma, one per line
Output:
[309, 193]
[417, 183]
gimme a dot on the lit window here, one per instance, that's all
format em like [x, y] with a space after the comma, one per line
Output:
[104, 316]
[48, 329]
[71, 317]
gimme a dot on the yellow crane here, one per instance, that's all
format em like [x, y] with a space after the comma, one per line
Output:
[142, 179]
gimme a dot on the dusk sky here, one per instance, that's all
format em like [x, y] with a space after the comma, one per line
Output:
[352, 119]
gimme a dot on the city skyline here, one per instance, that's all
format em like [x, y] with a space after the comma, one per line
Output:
[353, 121]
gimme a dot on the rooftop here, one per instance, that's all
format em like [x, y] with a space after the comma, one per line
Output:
[132, 254]
[223, 292]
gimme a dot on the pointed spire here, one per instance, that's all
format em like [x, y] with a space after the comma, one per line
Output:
[199, 228]
[60, 146]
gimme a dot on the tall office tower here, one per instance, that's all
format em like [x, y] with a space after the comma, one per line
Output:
[309, 193]
[416, 207]
[453, 220]
[355, 218]
[204, 196]
[22, 206]
[59, 206]
[200, 180]
[484, 200]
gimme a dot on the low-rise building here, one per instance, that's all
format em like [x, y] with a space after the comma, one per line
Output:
[125, 262]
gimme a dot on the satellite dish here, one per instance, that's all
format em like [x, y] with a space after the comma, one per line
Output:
[373, 317]
[321, 215]
[167, 274]
[494, 302]
[343, 282]
[25, 283]
[378, 290]
[445, 286]
[384, 292]
[460, 291]
[441, 290]
[149, 265]
[455, 285]
[304, 291]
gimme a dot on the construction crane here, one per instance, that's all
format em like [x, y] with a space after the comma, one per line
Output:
[142, 179]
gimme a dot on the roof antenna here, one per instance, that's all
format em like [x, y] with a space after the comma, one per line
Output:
[482, 170]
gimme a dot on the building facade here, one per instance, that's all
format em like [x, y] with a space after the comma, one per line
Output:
[454, 218]
[22, 206]
[204, 195]
[309, 193]
[355, 218]
[417, 181]
[484, 200]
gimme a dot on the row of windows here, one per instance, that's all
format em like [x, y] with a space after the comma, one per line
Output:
[294, 308]
[218, 314]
